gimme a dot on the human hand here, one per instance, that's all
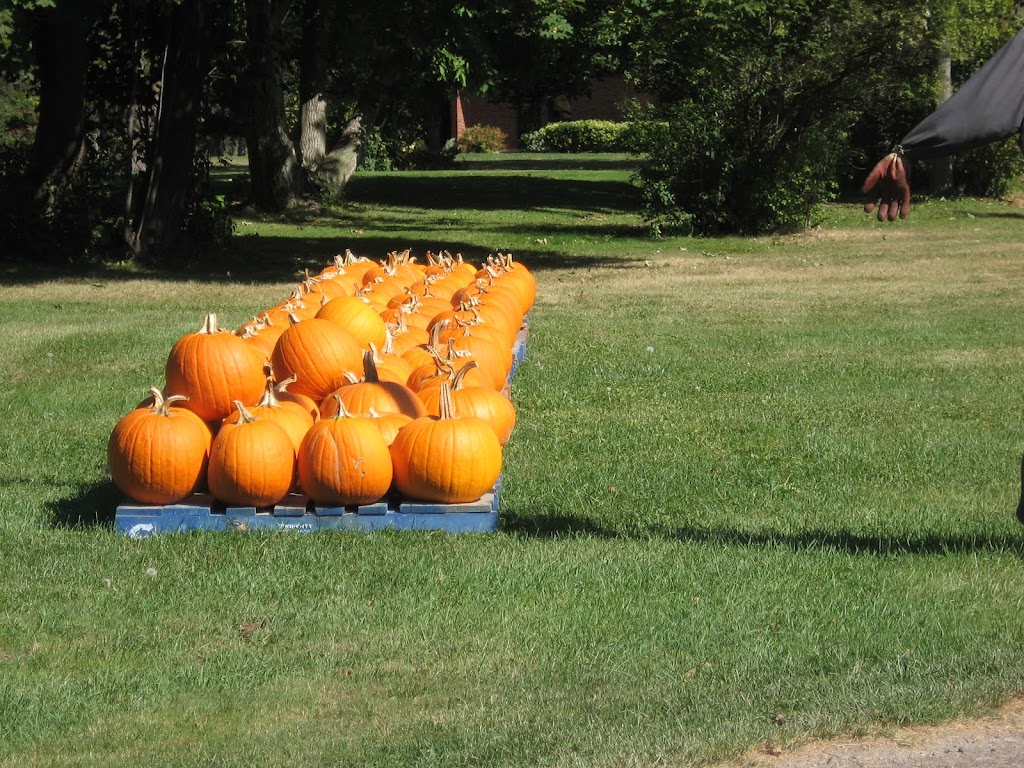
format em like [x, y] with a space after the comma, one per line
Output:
[889, 187]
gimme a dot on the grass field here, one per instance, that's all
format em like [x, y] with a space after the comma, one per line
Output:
[760, 490]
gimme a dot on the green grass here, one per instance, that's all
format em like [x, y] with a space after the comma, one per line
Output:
[750, 478]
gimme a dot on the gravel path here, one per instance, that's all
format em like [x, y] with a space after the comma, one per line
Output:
[994, 742]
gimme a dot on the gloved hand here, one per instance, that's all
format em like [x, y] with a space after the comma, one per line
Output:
[889, 187]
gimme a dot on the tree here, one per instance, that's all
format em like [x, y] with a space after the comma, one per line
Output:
[758, 100]
[547, 52]
[62, 55]
[169, 178]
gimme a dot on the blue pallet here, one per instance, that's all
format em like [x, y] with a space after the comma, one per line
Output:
[296, 513]
[202, 513]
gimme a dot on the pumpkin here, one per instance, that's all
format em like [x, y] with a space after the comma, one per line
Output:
[445, 368]
[404, 336]
[212, 368]
[446, 458]
[159, 454]
[357, 317]
[305, 402]
[252, 464]
[349, 267]
[487, 403]
[373, 394]
[344, 460]
[300, 304]
[493, 358]
[318, 353]
[391, 366]
[292, 416]
[389, 424]
[505, 269]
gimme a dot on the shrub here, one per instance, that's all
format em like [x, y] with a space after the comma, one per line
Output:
[579, 136]
[482, 138]
[702, 176]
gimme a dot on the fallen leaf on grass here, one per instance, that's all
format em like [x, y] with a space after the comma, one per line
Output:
[253, 626]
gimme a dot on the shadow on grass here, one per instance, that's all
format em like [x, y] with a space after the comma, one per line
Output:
[95, 505]
[554, 525]
[285, 259]
[495, 192]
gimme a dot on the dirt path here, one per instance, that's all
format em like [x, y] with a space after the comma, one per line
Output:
[994, 742]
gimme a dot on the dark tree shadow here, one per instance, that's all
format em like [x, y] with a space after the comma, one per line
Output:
[553, 524]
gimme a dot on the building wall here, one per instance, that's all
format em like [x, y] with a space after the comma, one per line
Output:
[603, 103]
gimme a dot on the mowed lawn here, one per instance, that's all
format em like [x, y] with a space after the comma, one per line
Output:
[760, 491]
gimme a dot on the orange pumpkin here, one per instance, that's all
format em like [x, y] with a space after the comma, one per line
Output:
[344, 460]
[348, 267]
[212, 368]
[446, 458]
[252, 464]
[318, 353]
[371, 393]
[357, 317]
[389, 424]
[294, 418]
[489, 404]
[159, 454]
[305, 402]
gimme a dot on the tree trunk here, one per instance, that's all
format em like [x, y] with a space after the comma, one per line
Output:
[171, 169]
[941, 171]
[273, 164]
[62, 53]
[312, 82]
[332, 173]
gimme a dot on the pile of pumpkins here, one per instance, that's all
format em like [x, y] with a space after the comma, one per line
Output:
[373, 377]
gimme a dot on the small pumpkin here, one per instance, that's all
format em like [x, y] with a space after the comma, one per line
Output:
[159, 454]
[293, 417]
[344, 460]
[371, 393]
[487, 403]
[446, 458]
[252, 464]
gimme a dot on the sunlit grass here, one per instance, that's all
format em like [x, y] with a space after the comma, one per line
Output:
[750, 478]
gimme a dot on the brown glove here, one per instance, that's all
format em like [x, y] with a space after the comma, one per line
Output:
[889, 187]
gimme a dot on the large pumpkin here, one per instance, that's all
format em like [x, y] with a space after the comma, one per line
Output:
[159, 454]
[212, 368]
[446, 458]
[252, 464]
[344, 460]
[318, 353]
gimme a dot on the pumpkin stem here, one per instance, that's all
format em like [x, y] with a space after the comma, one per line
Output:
[162, 402]
[446, 410]
[453, 352]
[269, 399]
[457, 379]
[244, 416]
[343, 412]
[282, 386]
[210, 324]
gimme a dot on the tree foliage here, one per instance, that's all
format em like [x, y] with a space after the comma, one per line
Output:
[763, 104]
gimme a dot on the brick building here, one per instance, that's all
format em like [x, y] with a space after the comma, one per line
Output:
[604, 102]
